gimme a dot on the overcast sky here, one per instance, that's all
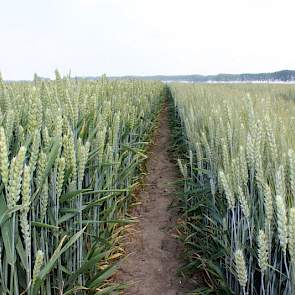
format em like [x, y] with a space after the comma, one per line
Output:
[145, 37]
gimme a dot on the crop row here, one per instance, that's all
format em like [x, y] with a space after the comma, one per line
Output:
[69, 158]
[238, 201]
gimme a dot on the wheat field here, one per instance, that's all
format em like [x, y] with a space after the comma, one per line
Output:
[239, 192]
[70, 153]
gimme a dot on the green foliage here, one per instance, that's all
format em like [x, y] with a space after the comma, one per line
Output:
[70, 155]
[238, 186]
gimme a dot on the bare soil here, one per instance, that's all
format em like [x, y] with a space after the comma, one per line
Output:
[153, 252]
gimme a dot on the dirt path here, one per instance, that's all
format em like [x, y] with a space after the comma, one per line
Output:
[153, 261]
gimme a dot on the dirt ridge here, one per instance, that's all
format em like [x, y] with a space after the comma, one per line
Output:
[153, 260]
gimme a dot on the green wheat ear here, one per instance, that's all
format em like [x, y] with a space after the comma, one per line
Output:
[34, 150]
[26, 193]
[14, 185]
[262, 250]
[61, 164]
[38, 264]
[3, 157]
[241, 268]
[291, 231]
[228, 192]
[268, 204]
[244, 203]
[291, 158]
[282, 222]
[26, 200]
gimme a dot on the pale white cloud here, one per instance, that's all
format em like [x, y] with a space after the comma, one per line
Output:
[118, 37]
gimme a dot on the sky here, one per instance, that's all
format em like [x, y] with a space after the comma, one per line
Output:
[145, 37]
